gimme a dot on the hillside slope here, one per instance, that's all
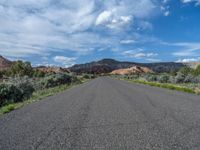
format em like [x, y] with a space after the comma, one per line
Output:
[52, 69]
[109, 65]
[4, 63]
[132, 70]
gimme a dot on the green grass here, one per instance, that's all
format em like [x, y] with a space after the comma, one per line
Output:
[36, 96]
[165, 85]
[7, 109]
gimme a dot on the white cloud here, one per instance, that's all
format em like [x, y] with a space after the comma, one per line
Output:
[117, 14]
[104, 17]
[138, 53]
[184, 53]
[65, 61]
[166, 13]
[197, 2]
[186, 1]
[153, 60]
[165, 9]
[187, 49]
[189, 60]
[36, 27]
[127, 41]
[109, 19]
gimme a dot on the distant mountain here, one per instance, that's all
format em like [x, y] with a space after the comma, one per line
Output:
[106, 66]
[132, 70]
[109, 65]
[4, 63]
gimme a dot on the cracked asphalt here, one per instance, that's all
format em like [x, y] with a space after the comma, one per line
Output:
[106, 114]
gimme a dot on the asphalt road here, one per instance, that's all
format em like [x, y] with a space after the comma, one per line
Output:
[106, 114]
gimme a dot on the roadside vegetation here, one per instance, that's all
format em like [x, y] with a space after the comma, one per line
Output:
[22, 84]
[186, 79]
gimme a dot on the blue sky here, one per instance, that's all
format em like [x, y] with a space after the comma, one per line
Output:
[66, 32]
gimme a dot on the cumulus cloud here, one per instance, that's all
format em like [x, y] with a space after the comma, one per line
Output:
[36, 27]
[65, 61]
[104, 17]
[139, 53]
[189, 60]
[120, 13]
[111, 20]
[197, 2]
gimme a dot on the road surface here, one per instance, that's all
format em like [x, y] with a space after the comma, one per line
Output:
[106, 114]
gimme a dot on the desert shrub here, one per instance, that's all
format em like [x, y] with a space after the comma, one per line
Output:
[128, 77]
[9, 94]
[189, 78]
[86, 76]
[186, 70]
[4, 92]
[134, 76]
[20, 68]
[172, 79]
[197, 79]
[24, 84]
[164, 78]
[151, 78]
[38, 73]
[74, 79]
[197, 71]
[179, 78]
[21, 88]
[57, 79]
[15, 90]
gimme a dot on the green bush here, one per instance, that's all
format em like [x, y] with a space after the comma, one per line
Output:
[15, 90]
[197, 71]
[151, 78]
[189, 78]
[86, 76]
[20, 68]
[38, 73]
[164, 78]
[57, 79]
[197, 79]
[186, 70]
[179, 78]
[25, 85]
[9, 94]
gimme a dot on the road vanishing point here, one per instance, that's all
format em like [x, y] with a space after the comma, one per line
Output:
[105, 114]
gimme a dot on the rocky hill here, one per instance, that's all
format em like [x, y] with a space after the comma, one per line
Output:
[109, 65]
[52, 69]
[4, 63]
[132, 70]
